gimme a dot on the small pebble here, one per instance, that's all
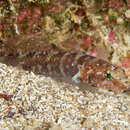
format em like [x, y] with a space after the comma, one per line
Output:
[127, 13]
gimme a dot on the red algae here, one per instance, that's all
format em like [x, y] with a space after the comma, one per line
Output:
[6, 97]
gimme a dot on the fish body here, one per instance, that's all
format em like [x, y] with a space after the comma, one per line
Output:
[35, 53]
[78, 67]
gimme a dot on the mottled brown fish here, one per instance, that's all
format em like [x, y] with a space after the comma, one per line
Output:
[79, 68]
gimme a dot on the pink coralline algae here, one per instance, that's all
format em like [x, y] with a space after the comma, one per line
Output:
[22, 15]
[88, 41]
[111, 37]
[115, 4]
[37, 12]
[27, 18]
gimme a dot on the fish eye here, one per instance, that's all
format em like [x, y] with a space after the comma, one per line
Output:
[109, 76]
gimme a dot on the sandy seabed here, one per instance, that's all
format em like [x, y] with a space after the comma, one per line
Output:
[41, 103]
